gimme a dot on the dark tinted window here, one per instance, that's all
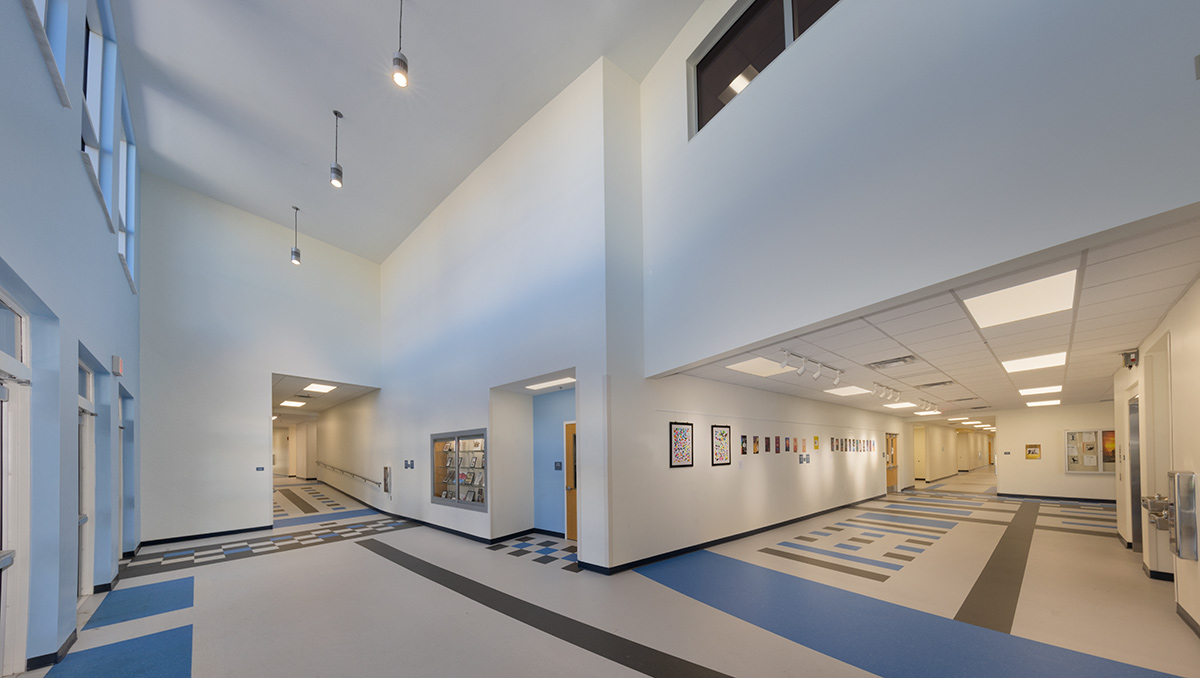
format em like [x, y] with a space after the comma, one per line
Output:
[747, 47]
[806, 12]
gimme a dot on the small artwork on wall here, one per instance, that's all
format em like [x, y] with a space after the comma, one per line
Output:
[777, 450]
[816, 443]
[804, 444]
[787, 443]
[681, 444]
[767, 443]
[1033, 451]
[743, 444]
[722, 454]
[755, 444]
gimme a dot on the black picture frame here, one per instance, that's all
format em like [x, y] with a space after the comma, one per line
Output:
[681, 445]
[726, 441]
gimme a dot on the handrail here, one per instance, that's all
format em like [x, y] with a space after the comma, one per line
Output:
[376, 483]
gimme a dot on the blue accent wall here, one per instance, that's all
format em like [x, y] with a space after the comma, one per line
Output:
[550, 411]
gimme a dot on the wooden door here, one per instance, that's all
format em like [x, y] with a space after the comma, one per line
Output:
[571, 478]
[893, 466]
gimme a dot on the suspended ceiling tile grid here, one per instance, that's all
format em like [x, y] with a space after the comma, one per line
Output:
[1124, 290]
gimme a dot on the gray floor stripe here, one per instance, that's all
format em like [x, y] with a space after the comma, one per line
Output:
[992, 602]
[300, 503]
[866, 574]
[926, 514]
[620, 650]
[1071, 530]
[898, 556]
[957, 506]
[898, 526]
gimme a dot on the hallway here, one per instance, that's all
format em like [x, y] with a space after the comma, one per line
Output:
[872, 589]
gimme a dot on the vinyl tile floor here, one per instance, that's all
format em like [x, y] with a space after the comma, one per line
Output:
[920, 583]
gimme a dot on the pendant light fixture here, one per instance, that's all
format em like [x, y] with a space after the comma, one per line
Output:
[399, 61]
[296, 232]
[335, 170]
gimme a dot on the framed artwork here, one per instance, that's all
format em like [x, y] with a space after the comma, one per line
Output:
[743, 444]
[804, 444]
[766, 443]
[777, 450]
[1109, 446]
[1033, 451]
[681, 444]
[722, 446]
[788, 443]
[755, 444]
[816, 443]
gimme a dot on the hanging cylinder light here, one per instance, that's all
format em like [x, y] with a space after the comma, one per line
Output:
[296, 235]
[335, 170]
[399, 61]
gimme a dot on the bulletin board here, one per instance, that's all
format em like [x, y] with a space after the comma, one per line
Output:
[1084, 452]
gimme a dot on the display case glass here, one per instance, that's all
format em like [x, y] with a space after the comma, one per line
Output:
[459, 463]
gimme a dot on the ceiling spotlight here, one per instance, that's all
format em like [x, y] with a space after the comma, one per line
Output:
[399, 61]
[335, 170]
[783, 364]
[296, 235]
[817, 374]
[874, 389]
[838, 379]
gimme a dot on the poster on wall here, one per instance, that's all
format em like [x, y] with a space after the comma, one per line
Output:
[766, 443]
[804, 444]
[743, 444]
[1110, 447]
[816, 443]
[1033, 451]
[755, 444]
[795, 444]
[722, 441]
[777, 450]
[681, 444]
[787, 442]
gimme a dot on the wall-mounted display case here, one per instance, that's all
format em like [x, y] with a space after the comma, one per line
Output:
[459, 463]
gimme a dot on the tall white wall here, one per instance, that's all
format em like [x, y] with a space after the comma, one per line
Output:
[223, 310]
[954, 120]
[971, 450]
[941, 452]
[1047, 426]
[59, 260]
[346, 437]
[279, 452]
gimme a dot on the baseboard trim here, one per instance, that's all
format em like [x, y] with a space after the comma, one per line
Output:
[716, 542]
[105, 588]
[1155, 574]
[42, 661]
[1126, 544]
[942, 478]
[1051, 497]
[174, 540]
[1187, 619]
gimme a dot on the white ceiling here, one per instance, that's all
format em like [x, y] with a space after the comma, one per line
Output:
[234, 98]
[1123, 292]
[286, 387]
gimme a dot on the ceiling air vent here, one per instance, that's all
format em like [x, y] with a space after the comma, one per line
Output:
[981, 407]
[963, 400]
[936, 384]
[892, 362]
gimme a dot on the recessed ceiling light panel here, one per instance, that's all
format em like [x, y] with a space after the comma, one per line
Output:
[958, 419]
[971, 423]
[759, 367]
[1036, 362]
[551, 384]
[1043, 403]
[927, 413]
[1041, 390]
[900, 406]
[319, 388]
[1028, 300]
[847, 391]
[291, 403]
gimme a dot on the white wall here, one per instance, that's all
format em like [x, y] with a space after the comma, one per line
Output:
[279, 452]
[1183, 325]
[1047, 426]
[223, 310]
[504, 281]
[346, 440]
[941, 452]
[940, 112]
[971, 450]
[59, 259]
[918, 438]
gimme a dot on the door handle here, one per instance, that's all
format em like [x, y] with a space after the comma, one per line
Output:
[569, 488]
[82, 519]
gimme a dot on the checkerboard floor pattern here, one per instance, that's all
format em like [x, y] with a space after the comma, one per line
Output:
[325, 533]
[542, 549]
[319, 496]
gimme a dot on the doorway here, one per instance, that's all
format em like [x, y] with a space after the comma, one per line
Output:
[893, 466]
[1135, 475]
[571, 477]
[87, 480]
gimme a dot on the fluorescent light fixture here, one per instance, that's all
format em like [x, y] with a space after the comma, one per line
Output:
[847, 391]
[291, 403]
[759, 367]
[319, 388]
[274, 417]
[1036, 362]
[971, 423]
[1043, 403]
[900, 406]
[1027, 300]
[981, 425]
[926, 413]
[1041, 391]
[739, 83]
[958, 419]
[551, 384]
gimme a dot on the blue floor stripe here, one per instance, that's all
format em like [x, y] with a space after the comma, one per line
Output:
[1107, 527]
[907, 520]
[946, 501]
[933, 487]
[883, 638]
[322, 517]
[823, 534]
[929, 509]
[136, 602]
[914, 549]
[884, 529]
[848, 547]
[166, 654]
[238, 550]
[843, 556]
[872, 534]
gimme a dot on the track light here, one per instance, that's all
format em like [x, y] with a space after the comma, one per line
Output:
[783, 364]
[399, 61]
[296, 234]
[838, 379]
[817, 374]
[335, 170]
[803, 366]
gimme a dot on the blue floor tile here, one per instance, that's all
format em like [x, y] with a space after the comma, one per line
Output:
[136, 602]
[167, 654]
